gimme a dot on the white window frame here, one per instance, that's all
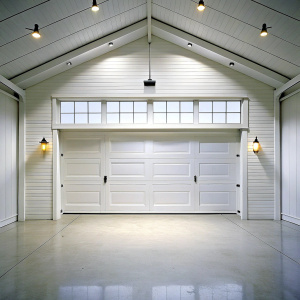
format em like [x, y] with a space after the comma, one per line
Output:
[150, 125]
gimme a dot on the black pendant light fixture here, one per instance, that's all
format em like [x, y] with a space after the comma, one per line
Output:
[201, 5]
[35, 31]
[149, 82]
[264, 30]
[95, 6]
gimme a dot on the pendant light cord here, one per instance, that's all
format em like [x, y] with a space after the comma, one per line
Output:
[149, 63]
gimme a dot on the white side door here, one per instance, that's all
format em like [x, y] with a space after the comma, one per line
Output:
[82, 171]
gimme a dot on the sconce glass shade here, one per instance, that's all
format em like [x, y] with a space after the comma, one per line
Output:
[44, 144]
[201, 5]
[255, 145]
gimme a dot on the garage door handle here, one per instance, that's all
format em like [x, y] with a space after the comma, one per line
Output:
[105, 179]
[195, 179]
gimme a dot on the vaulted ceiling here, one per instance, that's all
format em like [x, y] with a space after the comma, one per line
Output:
[229, 28]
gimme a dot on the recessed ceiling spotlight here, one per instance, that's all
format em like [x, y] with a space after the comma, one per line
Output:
[110, 44]
[201, 5]
[69, 63]
[231, 64]
[95, 6]
[190, 45]
[35, 32]
[264, 31]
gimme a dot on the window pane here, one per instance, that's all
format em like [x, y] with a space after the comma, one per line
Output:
[67, 107]
[140, 118]
[187, 118]
[80, 107]
[205, 117]
[95, 118]
[233, 118]
[126, 118]
[81, 119]
[187, 106]
[94, 107]
[160, 118]
[173, 118]
[126, 106]
[113, 107]
[219, 106]
[172, 106]
[219, 118]
[205, 106]
[140, 106]
[67, 118]
[112, 118]
[159, 106]
[233, 106]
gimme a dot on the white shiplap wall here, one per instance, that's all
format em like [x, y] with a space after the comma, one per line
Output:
[8, 159]
[178, 72]
[290, 161]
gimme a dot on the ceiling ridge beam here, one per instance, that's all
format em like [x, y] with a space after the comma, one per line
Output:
[218, 54]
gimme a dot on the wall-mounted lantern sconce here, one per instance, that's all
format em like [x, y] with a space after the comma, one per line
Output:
[44, 144]
[256, 145]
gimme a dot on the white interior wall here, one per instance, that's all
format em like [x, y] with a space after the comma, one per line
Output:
[178, 73]
[8, 159]
[290, 160]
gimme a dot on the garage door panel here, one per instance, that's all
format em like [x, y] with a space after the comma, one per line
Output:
[128, 169]
[215, 150]
[172, 147]
[127, 197]
[82, 169]
[172, 169]
[217, 197]
[172, 197]
[217, 171]
[82, 197]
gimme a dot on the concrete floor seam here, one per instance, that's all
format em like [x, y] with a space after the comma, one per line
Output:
[38, 248]
[262, 241]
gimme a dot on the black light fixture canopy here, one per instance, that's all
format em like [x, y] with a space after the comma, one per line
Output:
[264, 30]
[190, 45]
[231, 64]
[110, 44]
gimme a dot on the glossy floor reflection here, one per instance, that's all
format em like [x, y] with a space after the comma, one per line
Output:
[157, 257]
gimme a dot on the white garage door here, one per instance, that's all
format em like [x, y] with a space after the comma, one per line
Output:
[147, 172]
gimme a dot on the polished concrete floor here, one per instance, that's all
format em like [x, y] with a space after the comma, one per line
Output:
[157, 257]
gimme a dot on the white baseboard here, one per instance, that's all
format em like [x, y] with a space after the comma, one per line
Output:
[291, 219]
[8, 221]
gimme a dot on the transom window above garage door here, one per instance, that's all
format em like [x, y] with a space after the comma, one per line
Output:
[142, 113]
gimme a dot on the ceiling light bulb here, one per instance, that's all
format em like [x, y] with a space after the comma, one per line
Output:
[69, 63]
[201, 5]
[264, 31]
[190, 45]
[110, 44]
[36, 33]
[231, 64]
[95, 6]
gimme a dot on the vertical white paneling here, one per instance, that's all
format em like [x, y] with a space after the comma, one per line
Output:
[290, 160]
[8, 159]
[178, 72]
